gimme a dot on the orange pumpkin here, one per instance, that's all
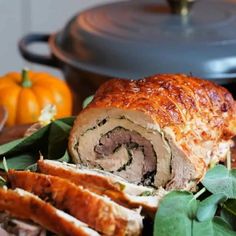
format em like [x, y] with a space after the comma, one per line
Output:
[25, 94]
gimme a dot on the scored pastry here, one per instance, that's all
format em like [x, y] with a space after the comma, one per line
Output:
[164, 130]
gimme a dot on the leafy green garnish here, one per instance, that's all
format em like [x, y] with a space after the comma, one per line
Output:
[221, 180]
[23, 144]
[58, 139]
[2, 181]
[182, 214]
[50, 140]
[207, 208]
[18, 162]
[4, 163]
[145, 193]
[87, 101]
[228, 212]
[65, 157]
[174, 216]
[32, 167]
[215, 227]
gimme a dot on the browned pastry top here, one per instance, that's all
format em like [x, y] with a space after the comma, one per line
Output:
[172, 99]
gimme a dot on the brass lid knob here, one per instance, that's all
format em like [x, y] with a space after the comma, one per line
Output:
[181, 7]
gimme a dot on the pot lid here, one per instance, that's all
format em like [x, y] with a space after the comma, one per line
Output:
[133, 39]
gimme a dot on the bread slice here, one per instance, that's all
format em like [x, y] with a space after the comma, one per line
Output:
[99, 212]
[103, 183]
[24, 205]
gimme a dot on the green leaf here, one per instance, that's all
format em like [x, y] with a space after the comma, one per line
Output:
[37, 139]
[87, 101]
[33, 167]
[177, 216]
[174, 216]
[50, 140]
[145, 193]
[58, 139]
[19, 162]
[5, 166]
[228, 212]
[2, 182]
[2, 179]
[207, 208]
[22, 144]
[65, 157]
[215, 227]
[4, 148]
[221, 180]
[68, 120]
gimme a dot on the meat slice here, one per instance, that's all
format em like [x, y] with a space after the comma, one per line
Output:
[165, 130]
[98, 212]
[11, 226]
[24, 205]
[103, 183]
[132, 140]
[134, 155]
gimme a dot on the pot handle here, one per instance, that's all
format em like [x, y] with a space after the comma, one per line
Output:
[27, 40]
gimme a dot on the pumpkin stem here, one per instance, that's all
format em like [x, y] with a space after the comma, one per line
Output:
[25, 82]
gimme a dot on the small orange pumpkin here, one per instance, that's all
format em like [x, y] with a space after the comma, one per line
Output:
[25, 94]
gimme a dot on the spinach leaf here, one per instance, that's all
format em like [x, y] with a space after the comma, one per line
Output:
[50, 140]
[221, 180]
[22, 144]
[19, 162]
[68, 120]
[5, 148]
[58, 139]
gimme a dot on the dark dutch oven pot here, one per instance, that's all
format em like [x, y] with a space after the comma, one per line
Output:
[133, 39]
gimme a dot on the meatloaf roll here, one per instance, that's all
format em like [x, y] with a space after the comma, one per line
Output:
[164, 130]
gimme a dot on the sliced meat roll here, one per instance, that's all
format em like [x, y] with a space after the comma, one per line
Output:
[98, 212]
[164, 130]
[11, 226]
[24, 205]
[104, 183]
[117, 144]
